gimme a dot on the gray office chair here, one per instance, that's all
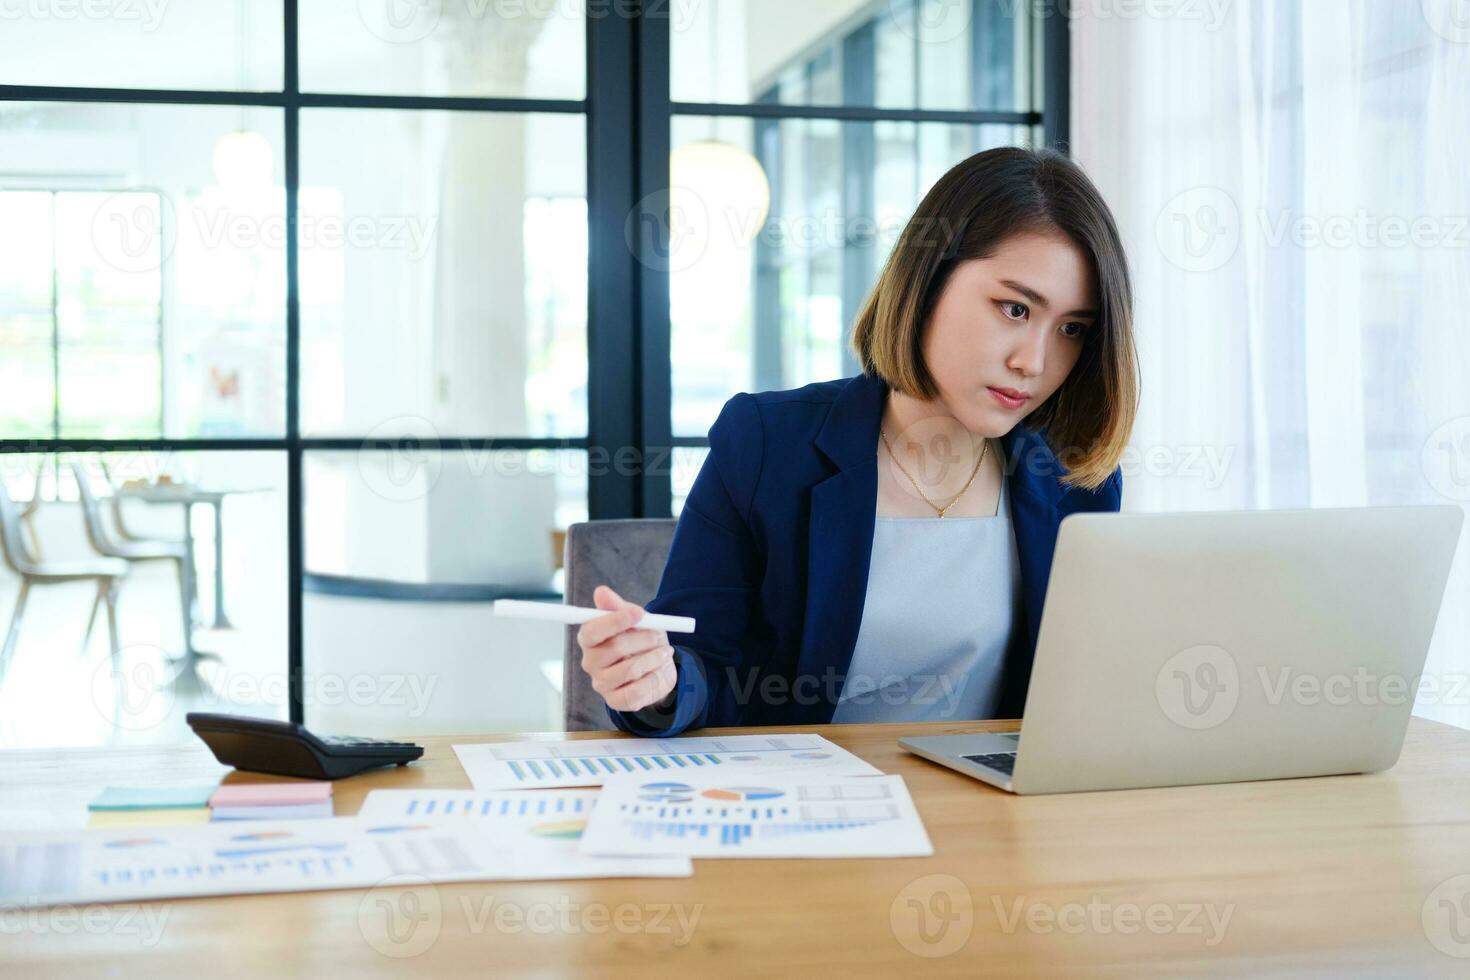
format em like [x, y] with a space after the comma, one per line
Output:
[627, 556]
[106, 572]
[135, 550]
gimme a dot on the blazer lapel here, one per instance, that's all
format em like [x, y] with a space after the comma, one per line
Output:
[839, 548]
[1034, 496]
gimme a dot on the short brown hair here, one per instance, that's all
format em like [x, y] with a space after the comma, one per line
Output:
[968, 214]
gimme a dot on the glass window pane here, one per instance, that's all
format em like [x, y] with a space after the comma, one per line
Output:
[25, 253]
[395, 511]
[784, 225]
[62, 686]
[26, 369]
[686, 467]
[387, 529]
[222, 44]
[444, 288]
[26, 386]
[521, 49]
[95, 405]
[162, 229]
[903, 54]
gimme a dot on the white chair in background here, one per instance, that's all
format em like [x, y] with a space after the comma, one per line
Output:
[105, 572]
[137, 550]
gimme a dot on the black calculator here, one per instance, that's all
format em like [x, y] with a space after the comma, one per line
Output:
[282, 748]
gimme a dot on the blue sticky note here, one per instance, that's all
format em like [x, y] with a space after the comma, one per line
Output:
[153, 798]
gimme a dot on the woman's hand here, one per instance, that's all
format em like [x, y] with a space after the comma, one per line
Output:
[630, 668]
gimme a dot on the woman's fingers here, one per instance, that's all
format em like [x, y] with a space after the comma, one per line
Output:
[648, 689]
[630, 669]
[603, 597]
[621, 646]
[634, 641]
[599, 659]
[600, 630]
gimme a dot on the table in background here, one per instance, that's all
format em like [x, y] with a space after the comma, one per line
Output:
[1330, 876]
[186, 668]
[187, 496]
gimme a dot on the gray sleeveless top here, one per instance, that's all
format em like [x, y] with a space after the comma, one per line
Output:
[940, 617]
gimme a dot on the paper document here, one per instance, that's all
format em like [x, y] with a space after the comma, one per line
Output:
[745, 814]
[523, 765]
[137, 864]
[535, 831]
[43, 868]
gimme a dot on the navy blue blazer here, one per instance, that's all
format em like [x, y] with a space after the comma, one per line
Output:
[771, 553]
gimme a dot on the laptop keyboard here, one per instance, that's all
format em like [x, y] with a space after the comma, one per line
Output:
[1002, 761]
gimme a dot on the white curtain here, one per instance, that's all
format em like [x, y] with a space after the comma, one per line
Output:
[1292, 179]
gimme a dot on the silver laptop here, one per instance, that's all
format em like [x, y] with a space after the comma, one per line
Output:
[1217, 647]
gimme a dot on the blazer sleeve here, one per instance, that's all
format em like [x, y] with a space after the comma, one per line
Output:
[713, 573]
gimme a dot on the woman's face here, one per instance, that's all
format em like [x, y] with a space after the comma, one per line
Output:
[1016, 322]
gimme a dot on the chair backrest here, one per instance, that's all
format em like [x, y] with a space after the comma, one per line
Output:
[12, 544]
[97, 532]
[628, 557]
[115, 501]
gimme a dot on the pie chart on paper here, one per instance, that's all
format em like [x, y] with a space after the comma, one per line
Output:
[665, 792]
[739, 794]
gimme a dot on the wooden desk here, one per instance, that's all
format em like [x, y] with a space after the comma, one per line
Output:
[1318, 876]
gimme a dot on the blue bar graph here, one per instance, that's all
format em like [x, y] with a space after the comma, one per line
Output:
[737, 833]
[532, 771]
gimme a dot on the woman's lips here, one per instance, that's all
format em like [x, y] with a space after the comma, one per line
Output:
[1009, 397]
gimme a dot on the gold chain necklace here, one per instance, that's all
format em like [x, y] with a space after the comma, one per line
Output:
[941, 511]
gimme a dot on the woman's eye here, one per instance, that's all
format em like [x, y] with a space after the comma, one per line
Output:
[1007, 308]
[1079, 329]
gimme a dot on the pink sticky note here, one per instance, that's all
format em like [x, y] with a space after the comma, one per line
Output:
[271, 794]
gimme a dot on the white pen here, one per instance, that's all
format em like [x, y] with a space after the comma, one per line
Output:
[576, 615]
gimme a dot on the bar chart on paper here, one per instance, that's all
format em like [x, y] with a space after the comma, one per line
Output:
[523, 765]
[709, 817]
[39, 868]
[509, 807]
[536, 830]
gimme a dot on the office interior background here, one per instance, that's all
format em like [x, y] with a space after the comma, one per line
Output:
[534, 246]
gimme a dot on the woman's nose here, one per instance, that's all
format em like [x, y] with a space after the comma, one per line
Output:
[1029, 357]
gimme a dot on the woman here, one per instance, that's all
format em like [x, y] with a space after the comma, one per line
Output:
[877, 548]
